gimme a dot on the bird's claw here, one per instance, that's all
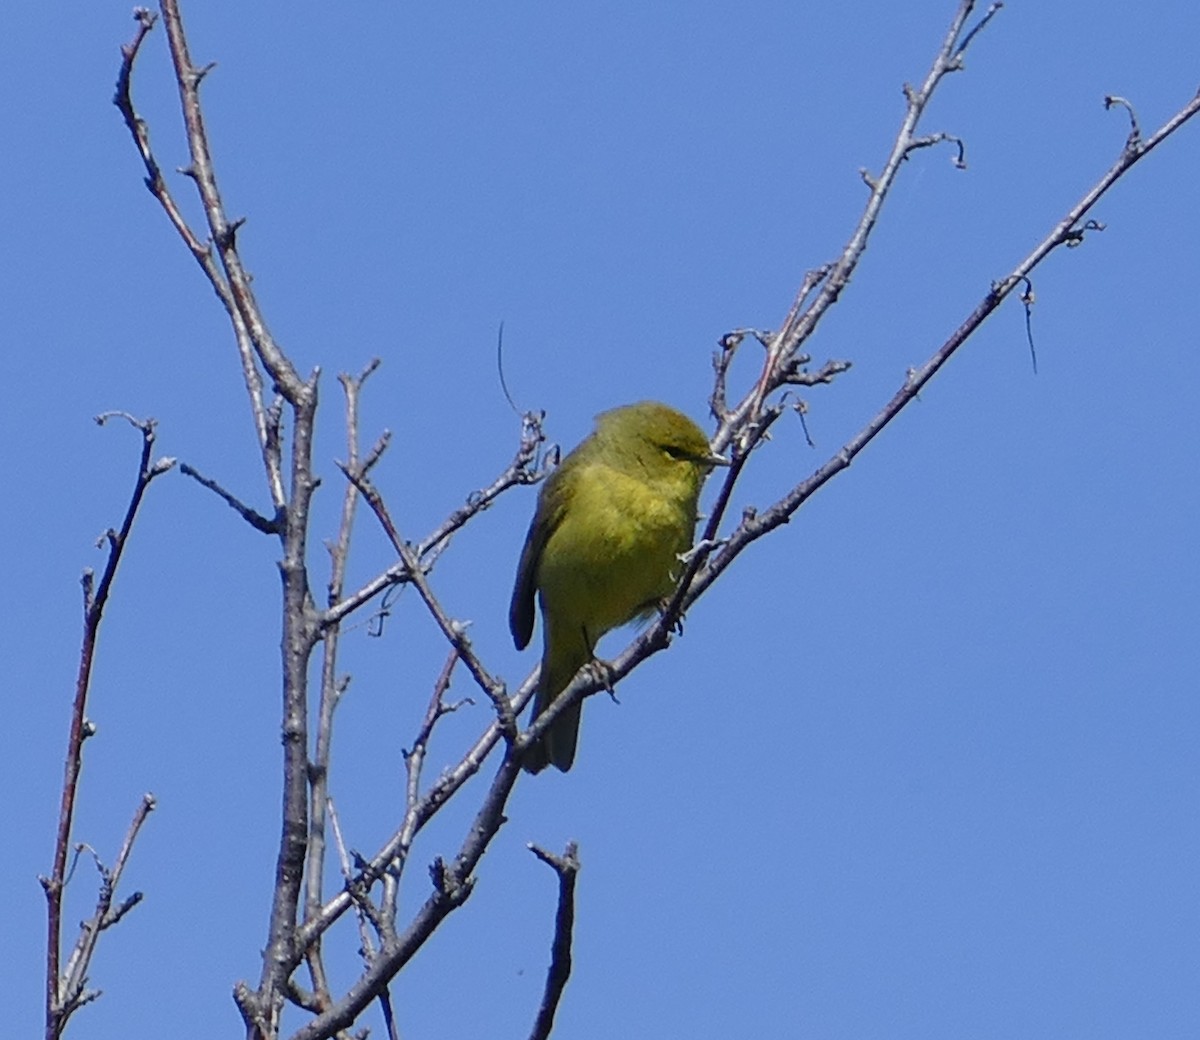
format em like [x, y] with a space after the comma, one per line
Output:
[602, 672]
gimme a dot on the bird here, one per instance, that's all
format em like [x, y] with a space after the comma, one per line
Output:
[603, 548]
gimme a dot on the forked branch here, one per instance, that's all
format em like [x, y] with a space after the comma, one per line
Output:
[65, 990]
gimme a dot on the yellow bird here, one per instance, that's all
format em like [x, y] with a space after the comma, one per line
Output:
[603, 547]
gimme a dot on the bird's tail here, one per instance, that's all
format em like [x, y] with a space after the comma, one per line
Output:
[557, 745]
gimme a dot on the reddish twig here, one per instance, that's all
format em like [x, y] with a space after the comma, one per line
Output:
[61, 1001]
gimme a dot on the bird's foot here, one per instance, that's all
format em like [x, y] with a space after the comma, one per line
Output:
[662, 606]
[602, 672]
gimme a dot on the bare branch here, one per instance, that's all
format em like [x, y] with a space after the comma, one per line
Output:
[414, 759]
[1135, 131]
[223, 231]
[72, 989]
[566, 867]
[960, 159]
[332, 688]
[247, 513]
[803, 318]
[454, 631]
[1068, 232]
[61, 1001]
[970, 36]
[452, 886]
[261, 1008]
[525, 468]
[202, 253]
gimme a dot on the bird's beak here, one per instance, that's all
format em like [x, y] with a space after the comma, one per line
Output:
[713, 459]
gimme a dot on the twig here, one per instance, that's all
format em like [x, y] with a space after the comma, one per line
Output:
[566, 867]
[223, 231]
[803, 319]
[795, 375]
[73, 993]
[266, 422]
[454, 631]
[960, 158]
[1068, 232]
[249, 514]
[452, 886]
[525, 468]
[1027, 300]
[414, 759]
[966, 40]
[261, 1008]
[723, 359]
[332, 688]
[1135, 131]
[367, 915]
[58, 1008]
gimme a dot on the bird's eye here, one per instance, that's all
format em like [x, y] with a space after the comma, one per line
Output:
[676, 453]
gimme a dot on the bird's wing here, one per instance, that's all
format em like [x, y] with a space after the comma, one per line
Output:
[546, 518]
[520, 610]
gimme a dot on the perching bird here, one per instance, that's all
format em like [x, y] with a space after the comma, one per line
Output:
[603, 547]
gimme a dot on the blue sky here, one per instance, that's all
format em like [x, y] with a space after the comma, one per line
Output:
[923, 765]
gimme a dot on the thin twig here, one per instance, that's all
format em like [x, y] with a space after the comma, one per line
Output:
[414, 759]
[454, 631]
[332, 688]
[566, 867]
[188, 77]
[1068, 232]
[1027, 300]
[202, 253]
[1134, 140]
[452, 886]
[72, 990]
[247, 513]
[367, 915]
[526, 468]
[261, 1008]
[58, 1008]
[803, 319]
[969, 36]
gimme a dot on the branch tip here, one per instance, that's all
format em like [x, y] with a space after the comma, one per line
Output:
[273, 525]
[966, 41]
[1135, 132]
[566, 867]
